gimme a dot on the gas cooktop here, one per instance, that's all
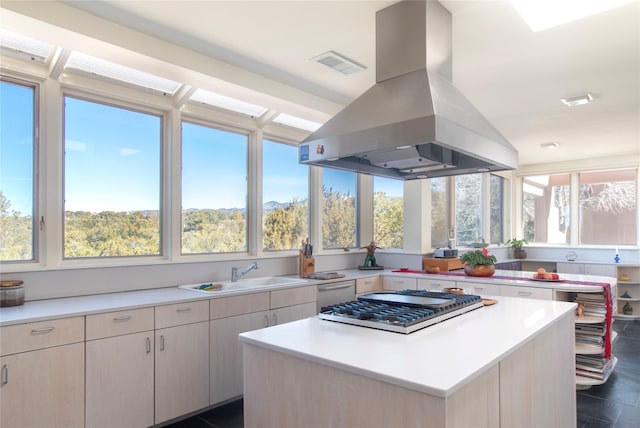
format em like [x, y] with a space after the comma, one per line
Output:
[403, 311]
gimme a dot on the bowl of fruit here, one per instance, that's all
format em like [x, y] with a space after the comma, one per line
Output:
[543, 275]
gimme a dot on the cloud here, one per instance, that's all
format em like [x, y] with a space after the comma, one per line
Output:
[76, 146]
[128, 152]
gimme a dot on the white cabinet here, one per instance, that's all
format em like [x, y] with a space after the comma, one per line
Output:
[628, 293]
[587, 268]
[42, 374]
[527, 292]
[181, 359]
[119, 369]
[396, 283]
[231, 316]
[368, 285]
[434, 284]
[292, 304]
[480, 288]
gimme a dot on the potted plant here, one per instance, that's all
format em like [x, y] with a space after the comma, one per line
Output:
[479, 263]
[518, 250]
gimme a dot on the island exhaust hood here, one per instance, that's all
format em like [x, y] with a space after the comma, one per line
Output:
[413, 123]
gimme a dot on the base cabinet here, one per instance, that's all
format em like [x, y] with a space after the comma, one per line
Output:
[120, 381]
[181, 359]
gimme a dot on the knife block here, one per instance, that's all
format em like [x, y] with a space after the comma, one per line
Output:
[307, 265]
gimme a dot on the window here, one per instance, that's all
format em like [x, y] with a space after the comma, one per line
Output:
[339, 213]
[214, 190]
[441, 224]
[608, 209]
[17, 160]
[285, 195]
[496, 207]
[545, 208]
[468, 197]
[388, 217]
[111, 180]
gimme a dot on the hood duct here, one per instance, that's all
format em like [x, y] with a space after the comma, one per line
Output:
[413, 123]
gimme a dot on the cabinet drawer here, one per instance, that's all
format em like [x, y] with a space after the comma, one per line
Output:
[434, 284]
[395, 283]
[118, 323]
[181, 313]
[527, 292]
[294, 296]
[480, 288]
[367, 285]
[238, 305]
[39, 335]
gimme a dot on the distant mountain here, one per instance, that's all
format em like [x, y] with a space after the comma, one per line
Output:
[273, 205]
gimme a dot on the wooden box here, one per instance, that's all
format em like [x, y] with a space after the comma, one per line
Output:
[445, 265]
[307, 265]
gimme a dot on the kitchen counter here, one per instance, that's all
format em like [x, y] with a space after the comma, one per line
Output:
[441, 361]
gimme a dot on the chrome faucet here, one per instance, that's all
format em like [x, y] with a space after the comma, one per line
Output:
[235, 275]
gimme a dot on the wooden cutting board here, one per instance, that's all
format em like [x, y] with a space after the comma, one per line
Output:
[324, 275]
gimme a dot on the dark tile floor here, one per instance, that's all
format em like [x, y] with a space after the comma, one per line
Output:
[616, 404]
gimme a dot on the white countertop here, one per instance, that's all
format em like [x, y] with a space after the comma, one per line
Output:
[437, 360]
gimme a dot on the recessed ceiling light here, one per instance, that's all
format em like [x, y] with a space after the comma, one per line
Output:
[540, 15]
[550, 146]
[338, 62]
[576, 101]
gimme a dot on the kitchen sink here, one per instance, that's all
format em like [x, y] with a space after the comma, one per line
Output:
[244, 283]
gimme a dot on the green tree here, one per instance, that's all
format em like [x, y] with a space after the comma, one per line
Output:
[388, 219]
[16, 233]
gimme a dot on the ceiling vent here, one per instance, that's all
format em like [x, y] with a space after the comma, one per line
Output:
[338, 63]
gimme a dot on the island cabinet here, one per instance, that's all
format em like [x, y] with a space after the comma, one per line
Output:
[397, 283]
[181, 359]
[481, 288]
[526, 292]
[434, 283]
[119, 369]
[628, 293]
[42, 374]
[502, 365]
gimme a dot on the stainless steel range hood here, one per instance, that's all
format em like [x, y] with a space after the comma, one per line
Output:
[413, 123]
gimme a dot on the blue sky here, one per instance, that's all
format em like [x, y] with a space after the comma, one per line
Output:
[113, 161]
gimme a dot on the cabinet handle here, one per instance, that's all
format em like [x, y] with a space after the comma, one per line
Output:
[524, 293]
[275, 319]
[266, 320]
[183, 309]
[148, 345]
[43, 330]
[5, 374]
[162, 342]
[122, 319]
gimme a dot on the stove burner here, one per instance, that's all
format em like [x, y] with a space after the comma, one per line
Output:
[402, 311]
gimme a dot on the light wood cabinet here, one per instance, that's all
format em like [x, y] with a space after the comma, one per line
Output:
[42, 374]
[368, 285]
[527, 292]
[396, 283]
[434, 284]
[628, 293]
[181, 359]
[120, 369]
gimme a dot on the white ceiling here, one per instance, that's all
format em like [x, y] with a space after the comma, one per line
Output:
[513, 76]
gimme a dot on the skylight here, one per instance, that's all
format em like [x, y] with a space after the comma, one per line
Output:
[543, 14]
[23, 47]
[296, 122]
[96, 67]
[227, 103]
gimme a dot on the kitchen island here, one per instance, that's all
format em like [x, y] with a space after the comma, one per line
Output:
[510, 364]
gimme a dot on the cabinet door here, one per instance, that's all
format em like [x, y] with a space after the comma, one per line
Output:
[602, 270]
[292, 313]
[479, 288]
[43, 388]
[182, 370]
[226, 353]
[119, 381]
